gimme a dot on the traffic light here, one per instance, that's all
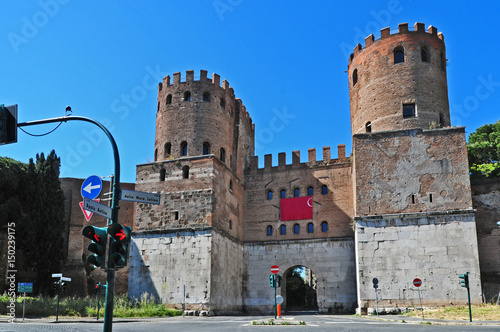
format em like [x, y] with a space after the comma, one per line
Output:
[56, 287]
[8, 124]
[278, 280]
[63, 286]
[99, 238]
[271, 279]
[120, 239]
[99, 289]
[464, 279]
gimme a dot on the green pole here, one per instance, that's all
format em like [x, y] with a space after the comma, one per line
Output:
[108, 311]
[58, 292]
[468, 295]
[275, 308]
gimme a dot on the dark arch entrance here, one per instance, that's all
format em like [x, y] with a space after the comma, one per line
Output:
[299, 289]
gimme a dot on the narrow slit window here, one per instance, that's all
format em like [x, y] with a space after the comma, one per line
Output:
[169, 99]
[310, 227]
[413, 199]
[167, 150]
[368, 127]
[283, 229]
[283, 193]
[162, 174]
[269, 230]
[424, 55]
[399, 55]
[324, 227]
[185, 172]
[296, 229]
[310, 191]
[408, 111]
[430, 198]
[324, 190]
[230, 224]
[206, 148]
[296, 192]
[206, 96]
[187, 96]
[222, 155]
[269, 195]
[184, 149]
[354, 77]
[176, 215]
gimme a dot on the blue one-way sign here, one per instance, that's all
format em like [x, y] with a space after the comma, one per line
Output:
[91, 187]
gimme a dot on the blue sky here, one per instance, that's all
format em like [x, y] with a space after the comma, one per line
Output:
[105, 58]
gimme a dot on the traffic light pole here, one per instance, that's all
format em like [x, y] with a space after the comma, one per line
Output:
[110, 289]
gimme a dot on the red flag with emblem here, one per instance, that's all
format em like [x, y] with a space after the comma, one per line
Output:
[297, 208]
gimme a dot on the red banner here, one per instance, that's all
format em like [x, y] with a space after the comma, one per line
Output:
[296, 208]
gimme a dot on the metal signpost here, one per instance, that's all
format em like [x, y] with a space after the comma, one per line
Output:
[110, 290]
[24, 287]
[417, 283]
[274, 270]
[59, 286]
[375, 286]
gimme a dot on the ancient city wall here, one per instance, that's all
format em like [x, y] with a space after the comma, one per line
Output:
[330, 260]
[334, 206]
[435, 247]
[486, 201]
[411, 171]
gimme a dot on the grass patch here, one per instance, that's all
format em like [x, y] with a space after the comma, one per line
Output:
[479, 312]
[273, 322]
[87, 307]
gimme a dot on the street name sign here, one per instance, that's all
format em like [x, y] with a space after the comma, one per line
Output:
[95, 207]
[25, 287]
[139, 196]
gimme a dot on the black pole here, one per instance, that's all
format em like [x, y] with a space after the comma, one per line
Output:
[110, 289]
[58, 292]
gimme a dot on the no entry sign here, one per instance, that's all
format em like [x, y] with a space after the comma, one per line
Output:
[417, 282]
[275, 269]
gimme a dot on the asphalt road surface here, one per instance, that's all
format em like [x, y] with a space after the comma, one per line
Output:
[244, 323]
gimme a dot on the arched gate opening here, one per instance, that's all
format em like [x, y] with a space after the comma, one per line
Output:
[299, 289]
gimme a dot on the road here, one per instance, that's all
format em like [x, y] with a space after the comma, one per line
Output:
[241, 323]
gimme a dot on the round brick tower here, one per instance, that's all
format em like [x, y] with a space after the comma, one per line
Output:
[198, 117]
[399, 81]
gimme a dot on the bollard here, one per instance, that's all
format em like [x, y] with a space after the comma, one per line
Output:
[279, 311]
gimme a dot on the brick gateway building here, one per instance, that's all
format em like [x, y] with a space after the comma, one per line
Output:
[398, 208]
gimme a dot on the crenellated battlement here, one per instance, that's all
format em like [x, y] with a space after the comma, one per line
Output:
[190, 78]
[312, 162]
[418, 28]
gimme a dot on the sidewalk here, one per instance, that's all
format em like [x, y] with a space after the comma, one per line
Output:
[433, 321]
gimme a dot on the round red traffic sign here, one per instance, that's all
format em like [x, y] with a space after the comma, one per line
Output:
[275, 269]
[417, 282]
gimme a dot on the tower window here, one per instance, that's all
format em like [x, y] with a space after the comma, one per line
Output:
[368, 127]
[184, 149]
[283, 229]
[310, 227]
[206, 96]
[185, 172]
[176, 215]
[167, 150]
[283, 193]
[354, 77]
[408, 111]
[310, 191]
[269, 230]
[156, 154]
[169, 99]
[223, 102]
[431, 198]
[230, 224]
[222, 155]
[269, 194]
[296, 229]
[158, 107]
[441, 120]
[424, 55]
[296, 192]
[206, 148]
[413, 199]
[324, 227]
[399, 55]
[162, 174]
[187, 96]
[231, 185]
[324, 189]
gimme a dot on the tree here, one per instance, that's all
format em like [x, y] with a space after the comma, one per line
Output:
[34, 201]
[483, 150]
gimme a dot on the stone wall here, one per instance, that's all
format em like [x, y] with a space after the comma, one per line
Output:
[162, 263]
[331, 261]
[411, 171]
[435, 247]
[486, 201]
[335, 206]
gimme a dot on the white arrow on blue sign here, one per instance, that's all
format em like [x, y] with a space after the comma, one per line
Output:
[91, 187]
